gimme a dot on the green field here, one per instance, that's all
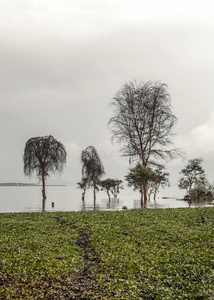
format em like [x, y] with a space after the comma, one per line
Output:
[130, 254]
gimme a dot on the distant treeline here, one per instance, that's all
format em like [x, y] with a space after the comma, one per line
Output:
[27, 184]
[18, 184]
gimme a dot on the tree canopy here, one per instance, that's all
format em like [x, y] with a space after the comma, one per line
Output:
[142, 122]
[161, 180]
[111, 185]
[193, 175]
[138, 177]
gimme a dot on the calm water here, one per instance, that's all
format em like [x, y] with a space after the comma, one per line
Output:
[67, 198]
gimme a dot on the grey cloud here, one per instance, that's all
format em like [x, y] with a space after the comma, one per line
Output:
[60, 80]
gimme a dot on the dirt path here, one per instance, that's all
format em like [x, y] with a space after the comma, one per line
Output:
[67, 286]
[84, 284]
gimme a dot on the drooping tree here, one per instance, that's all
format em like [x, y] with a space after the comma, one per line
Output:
[193, 176]
[92, 167]
[138, 177]
[142, 123]
[110, 185]
[43, 156]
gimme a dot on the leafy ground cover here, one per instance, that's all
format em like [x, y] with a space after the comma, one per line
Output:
[130, 254]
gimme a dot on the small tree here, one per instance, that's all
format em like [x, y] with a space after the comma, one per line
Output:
[43, 155]
[92, 168]
[83, 185]
[138, 177]
[112, 186]
[193, 175]
[161, 180]
[210, 189]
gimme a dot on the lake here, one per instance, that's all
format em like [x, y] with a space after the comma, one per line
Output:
[68, 198]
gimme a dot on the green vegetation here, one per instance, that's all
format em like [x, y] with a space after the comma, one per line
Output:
[195, 182]
[139, 177]
[129, 254]
[111, 185]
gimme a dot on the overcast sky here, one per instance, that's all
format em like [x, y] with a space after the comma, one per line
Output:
[61, 63]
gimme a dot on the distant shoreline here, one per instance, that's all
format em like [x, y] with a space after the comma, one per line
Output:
[27, 184]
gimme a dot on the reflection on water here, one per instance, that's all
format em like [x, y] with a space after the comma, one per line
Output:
[102, 204]
[67, 198]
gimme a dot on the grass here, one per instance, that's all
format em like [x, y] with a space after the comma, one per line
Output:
[129, 254]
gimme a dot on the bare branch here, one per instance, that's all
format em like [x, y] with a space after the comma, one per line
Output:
[142, 122]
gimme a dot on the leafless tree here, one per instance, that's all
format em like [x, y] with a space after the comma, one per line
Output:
[142, 123]
[43, 155]
[92, 167]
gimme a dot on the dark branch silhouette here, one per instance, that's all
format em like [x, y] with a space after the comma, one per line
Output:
[142, 123]
[42, 156]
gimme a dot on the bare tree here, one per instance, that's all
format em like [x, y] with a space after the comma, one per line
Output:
[142, 123]
[43, 155]
[92, 168]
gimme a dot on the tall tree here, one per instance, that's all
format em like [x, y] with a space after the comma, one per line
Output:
[92, 167]
[43, 155]
[142, 123]
[193, 175]
[138, 177]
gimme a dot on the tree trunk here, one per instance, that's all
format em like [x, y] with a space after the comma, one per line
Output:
[141, 199]
[83, 195]
[43, 192]
[155, 193]
[145, 194]
[109, 197]
[94, 195]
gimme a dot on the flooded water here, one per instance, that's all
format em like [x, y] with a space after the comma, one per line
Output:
[68, 198]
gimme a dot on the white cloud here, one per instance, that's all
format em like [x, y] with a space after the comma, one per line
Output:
[73, 150]
[201, 138]
[199, 142]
